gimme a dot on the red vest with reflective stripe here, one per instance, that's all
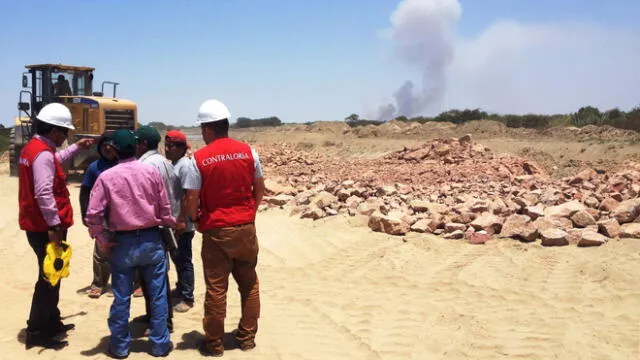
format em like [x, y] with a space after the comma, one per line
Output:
[30, 217]
[226, 195]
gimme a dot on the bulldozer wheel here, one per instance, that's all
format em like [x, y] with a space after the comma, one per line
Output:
[14, 153]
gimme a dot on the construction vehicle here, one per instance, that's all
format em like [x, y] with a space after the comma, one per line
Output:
[72, 86]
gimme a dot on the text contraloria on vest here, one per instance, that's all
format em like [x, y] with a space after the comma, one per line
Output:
[224, 157]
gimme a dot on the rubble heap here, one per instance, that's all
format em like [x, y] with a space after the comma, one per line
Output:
[458, 189]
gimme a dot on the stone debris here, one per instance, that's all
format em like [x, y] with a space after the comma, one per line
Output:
[457, 189]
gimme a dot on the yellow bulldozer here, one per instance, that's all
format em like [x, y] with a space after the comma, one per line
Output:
[93, 113]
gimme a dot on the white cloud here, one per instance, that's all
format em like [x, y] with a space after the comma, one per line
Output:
[514, 67]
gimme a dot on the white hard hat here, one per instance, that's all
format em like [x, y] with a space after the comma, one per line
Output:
[212, 110]
[56, 114]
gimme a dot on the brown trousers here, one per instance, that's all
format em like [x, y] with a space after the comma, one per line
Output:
[231, 250]
[101, 268]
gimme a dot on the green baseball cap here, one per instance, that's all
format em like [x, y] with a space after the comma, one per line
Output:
[125, 142]
[148, 133]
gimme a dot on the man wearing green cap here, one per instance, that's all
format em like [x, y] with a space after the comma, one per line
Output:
[136, 199]
[148, 139]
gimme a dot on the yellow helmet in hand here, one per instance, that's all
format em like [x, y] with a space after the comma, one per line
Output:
[56, 263]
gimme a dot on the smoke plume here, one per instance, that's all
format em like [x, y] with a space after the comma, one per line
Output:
[422, 33]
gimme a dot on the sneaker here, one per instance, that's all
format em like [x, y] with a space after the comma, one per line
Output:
[183, 306]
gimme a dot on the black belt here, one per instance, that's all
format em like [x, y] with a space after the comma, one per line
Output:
[137, 231]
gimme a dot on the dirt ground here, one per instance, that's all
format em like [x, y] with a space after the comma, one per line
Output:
[333, 289]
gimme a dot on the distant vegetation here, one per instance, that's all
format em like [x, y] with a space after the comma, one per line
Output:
[160, 126]
[244, 122]
[587, 115]
[241, 122]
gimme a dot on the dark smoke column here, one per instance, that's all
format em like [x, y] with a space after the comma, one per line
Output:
[422, 33]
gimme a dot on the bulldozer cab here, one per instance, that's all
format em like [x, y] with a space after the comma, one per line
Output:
[73, 86]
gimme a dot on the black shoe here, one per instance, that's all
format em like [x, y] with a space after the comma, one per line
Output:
[39, 339]
[59, 330]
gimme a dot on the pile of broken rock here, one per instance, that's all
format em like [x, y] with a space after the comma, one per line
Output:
[460, 190]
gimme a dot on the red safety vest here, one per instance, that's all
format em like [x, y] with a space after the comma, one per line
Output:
[226, 195]
[30, 217]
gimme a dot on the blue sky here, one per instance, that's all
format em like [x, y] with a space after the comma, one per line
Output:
[312, 60]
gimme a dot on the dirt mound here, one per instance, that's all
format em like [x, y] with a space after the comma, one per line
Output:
[606, 132]
[592, 133]
[437, 162]
[333, 127]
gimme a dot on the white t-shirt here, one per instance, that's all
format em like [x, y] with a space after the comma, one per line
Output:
[164, 166]
[181, 170]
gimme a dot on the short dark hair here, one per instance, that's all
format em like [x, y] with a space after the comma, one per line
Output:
[152, 144]
[220, 127]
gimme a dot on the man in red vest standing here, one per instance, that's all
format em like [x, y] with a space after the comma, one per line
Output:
[45, 214]
[224, 189]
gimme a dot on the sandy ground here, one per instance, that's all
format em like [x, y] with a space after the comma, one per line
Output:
[332, 289]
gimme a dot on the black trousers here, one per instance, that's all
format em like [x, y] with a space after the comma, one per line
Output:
[44, 315]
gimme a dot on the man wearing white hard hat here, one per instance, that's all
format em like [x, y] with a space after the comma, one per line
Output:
[46, 214]
[224, 189]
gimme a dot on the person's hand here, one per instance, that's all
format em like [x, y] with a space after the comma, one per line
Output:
[105, 247]
[55, 236]
[180, 227]
[85, 143]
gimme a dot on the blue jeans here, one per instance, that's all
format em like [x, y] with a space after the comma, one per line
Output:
[183, 259]
[145, 252]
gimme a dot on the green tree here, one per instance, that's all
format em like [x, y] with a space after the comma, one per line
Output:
[352, 117]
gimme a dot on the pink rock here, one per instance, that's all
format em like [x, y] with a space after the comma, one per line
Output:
[477, 238]
[610, 228]
[609, 204]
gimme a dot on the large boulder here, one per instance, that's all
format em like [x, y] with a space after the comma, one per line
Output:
[609, 227]
[591, 238]
[312, 212]
[630, 230]
[324, 199]
[545, 223]
[609, 204]
[420, 226]
[582, 219]
[627, 211]
[488, 222]
[565, 210]
[273, 187]
[554, 237]
[519, 227]
[370, 205]
[393, 225]
[452, 226]
[278, 200]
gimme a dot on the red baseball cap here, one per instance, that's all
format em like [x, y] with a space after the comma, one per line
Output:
[176, 136]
